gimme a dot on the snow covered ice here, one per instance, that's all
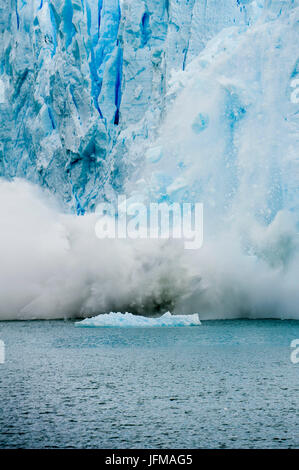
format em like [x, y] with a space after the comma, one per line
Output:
[128, 320]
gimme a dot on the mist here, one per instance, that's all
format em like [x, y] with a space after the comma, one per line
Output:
[54, 267]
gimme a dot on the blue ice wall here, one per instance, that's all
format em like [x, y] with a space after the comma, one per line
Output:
[84, 83]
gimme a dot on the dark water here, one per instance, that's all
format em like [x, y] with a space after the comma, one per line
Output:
[223, 384]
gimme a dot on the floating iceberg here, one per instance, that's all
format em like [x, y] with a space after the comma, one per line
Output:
[129, 320]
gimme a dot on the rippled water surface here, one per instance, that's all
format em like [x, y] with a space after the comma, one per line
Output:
[222, 384]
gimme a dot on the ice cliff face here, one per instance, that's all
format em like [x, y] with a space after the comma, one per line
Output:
[83, 82]
[230, 133]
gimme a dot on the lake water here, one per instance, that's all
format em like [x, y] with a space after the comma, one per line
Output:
[223, 384]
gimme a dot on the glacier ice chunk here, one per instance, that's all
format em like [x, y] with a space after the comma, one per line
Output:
[128, 320]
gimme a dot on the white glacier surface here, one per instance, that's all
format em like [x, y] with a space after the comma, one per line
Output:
[128, 320]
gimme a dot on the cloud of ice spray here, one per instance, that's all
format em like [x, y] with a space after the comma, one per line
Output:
[53, 266]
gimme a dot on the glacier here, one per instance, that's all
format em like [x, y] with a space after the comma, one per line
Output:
[164, 101]
[78, 78]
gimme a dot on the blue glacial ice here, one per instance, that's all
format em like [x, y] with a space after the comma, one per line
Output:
[127, 320]
[79, 78]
